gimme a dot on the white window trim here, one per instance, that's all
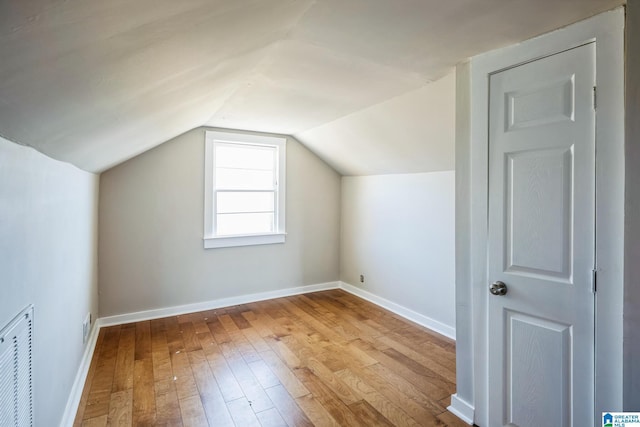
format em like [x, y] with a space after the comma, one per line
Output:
[210, 238]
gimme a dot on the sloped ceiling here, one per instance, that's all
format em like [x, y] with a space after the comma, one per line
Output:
[95, 83]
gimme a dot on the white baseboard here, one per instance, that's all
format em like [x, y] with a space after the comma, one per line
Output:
[415, 317]
[159, 313]
[461, 409]
[81, 376]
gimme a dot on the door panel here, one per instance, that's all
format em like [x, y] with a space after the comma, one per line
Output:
[548, 103]
[541, 241]
[538, 204]
[539, 367]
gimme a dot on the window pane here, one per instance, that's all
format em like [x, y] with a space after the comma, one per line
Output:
[245, 202]
[242, 179]
[244, 223]
[244, 156]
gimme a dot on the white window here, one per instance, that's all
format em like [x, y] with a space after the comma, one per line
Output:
[244, 190]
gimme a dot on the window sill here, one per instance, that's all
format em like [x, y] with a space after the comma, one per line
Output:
[249, 240]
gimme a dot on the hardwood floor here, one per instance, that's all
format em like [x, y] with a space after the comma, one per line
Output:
[323, 359]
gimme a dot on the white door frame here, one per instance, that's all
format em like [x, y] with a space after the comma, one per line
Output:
[607, 30]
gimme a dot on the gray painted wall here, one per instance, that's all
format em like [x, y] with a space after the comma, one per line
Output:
[48, 258]
[151, 229]
[632, 212]
[398, 230]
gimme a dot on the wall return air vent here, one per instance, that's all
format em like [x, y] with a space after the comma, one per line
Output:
[16, 395]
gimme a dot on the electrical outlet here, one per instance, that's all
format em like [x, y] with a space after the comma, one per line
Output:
[362, 278]
[86, 328]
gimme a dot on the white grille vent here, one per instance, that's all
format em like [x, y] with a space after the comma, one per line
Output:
[16, 396]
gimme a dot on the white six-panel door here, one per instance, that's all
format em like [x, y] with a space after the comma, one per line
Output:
[541, 242]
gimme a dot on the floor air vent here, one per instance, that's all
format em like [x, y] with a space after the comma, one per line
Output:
[16, 396]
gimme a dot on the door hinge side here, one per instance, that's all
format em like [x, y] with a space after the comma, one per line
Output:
[594, 280]
[595, 97]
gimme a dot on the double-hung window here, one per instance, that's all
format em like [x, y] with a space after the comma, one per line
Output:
[244, 189]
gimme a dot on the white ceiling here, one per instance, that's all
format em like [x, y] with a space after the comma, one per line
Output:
[95, 83]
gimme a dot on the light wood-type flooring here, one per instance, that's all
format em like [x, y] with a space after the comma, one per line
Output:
[325, 359]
